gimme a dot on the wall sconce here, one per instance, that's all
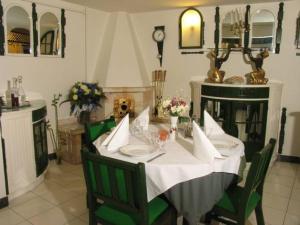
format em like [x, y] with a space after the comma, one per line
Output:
[191, 29]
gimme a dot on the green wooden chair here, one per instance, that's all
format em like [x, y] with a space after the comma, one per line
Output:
[238, 202]
[96, 129]
[117, 194]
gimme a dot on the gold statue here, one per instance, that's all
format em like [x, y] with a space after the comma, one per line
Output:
[217, 75]
[257, 76]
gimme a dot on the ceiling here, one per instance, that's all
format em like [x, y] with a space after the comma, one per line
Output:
[134, 6]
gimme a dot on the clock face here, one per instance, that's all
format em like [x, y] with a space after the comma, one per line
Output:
[158, 35]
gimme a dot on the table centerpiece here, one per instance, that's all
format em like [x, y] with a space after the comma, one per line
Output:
[175, 107]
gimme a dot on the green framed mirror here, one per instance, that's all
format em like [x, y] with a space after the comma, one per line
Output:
[2, 34]
[18, 31]
[49, 34]
[297, 38]
[263, 29]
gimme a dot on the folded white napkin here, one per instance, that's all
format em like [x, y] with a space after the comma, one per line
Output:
[143, 119]
[118, 137]
[211, 127]
[203, 148]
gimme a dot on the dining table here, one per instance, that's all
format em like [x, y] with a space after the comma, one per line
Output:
[193, 186]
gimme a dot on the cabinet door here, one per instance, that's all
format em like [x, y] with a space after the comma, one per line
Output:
[40, 146]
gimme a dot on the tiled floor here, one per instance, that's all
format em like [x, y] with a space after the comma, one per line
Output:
[60, 200]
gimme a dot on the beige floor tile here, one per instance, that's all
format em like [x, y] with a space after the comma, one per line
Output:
[78, 187]
[32, 207]
[9, 217]
[285, 165]
[277, 189]
[78, 172]
[54, 216]
[291, 220]
[58, 196]
[24, 223]
[284, 171]
[279, 179]
[294, 207]
[295, 194]
[297, 181]
[50, 217]
[22, 199]
[76, 206]
[275, 202]
[273, 216]
[84, 217]
[68, 167]
[77, 222]
[46, 187]
[63, 180]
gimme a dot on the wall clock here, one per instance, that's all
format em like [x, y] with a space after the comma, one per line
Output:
[158, 36]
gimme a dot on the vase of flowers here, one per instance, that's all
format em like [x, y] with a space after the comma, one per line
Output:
[84, 98]
[175, 107]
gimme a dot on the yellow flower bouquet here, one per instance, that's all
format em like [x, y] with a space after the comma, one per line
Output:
[85, 97]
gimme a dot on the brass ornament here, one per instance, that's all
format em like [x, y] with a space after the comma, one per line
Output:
[257, 76]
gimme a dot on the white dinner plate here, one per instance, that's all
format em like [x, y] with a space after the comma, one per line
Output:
[224, 143]
[138, 150]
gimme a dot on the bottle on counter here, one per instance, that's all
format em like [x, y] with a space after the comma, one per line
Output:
[21, 92]
[15, 93]
[8, 95]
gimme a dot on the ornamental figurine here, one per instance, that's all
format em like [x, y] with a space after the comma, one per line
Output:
[257, 76]
[217, 75]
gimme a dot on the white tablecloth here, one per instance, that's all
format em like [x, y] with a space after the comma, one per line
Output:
[179, 165]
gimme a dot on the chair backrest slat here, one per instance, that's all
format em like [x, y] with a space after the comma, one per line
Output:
[113, 182]
[128, 181]
[257, 173]
[116, 182]
[96, 172]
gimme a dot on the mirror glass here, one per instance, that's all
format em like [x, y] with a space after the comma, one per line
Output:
[18, 31]
[263, 29]
[49, 34]
[230, 29]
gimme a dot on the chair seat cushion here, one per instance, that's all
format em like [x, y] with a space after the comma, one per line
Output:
[232, 197]
[155, 208]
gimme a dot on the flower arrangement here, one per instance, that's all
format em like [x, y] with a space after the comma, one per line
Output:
[85, 97]
[175, 107]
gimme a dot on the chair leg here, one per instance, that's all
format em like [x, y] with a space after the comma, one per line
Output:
[185, 222]
[92, 218]
[259, 215]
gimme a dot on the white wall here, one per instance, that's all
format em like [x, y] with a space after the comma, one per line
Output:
[181, 68]
[51, 75]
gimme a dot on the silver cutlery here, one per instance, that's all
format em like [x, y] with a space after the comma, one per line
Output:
[155, 157]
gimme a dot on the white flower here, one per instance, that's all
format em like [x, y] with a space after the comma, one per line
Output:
[166, 103]
[174, 109]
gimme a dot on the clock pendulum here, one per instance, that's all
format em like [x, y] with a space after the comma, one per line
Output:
[158, 36]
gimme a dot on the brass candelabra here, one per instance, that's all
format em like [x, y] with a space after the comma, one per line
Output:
[158, 82]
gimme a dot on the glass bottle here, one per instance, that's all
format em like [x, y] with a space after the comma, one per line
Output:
[21, 92]
[8, 94]
[15, 93]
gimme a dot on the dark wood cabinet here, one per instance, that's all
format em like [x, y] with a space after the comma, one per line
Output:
[248, 112]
